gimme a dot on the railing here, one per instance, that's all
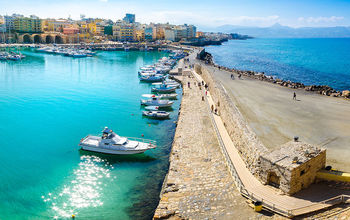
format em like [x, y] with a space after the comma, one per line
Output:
[152, 142]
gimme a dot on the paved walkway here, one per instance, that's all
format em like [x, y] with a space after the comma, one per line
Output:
[295, 205]
[199, 185]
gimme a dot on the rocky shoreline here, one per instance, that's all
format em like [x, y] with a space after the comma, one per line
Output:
[320, 89]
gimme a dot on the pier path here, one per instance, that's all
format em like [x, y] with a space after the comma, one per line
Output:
[306, 201]
[198, 185]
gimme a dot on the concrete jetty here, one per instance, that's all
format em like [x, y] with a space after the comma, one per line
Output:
[241, 163]
[198, 185]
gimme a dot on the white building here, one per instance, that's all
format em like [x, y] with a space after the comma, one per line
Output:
[169, 34]
[9, 21]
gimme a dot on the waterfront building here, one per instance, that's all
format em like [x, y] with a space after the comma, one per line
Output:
[191, 31]
[199, 34]
[129, 18]
[108, 30]
[160, 34]
[169, 34]
[9, 21]
[99, 29]
[127, 32]
[149, 36]
[116, 31]
[180, 33]
[70, 31]
[140, 35]
[32, 24]
[55, 25]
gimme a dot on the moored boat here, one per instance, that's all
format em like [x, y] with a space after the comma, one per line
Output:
[156, 114]
[111, 143]
[163, 88]
[156, 101]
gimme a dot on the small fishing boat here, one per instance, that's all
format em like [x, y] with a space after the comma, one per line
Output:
[156, 114]
[156, 101]
[163, 88]
[168, 83]
[161, 96]
[111, 143]
[152, 78]
[152, 108]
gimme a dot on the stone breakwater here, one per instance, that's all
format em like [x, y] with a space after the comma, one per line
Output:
[320, 89]
[198, 185]
[245, 140]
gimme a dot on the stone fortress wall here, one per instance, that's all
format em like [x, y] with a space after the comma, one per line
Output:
[291, 168]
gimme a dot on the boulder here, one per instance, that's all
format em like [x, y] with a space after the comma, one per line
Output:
[345, 93]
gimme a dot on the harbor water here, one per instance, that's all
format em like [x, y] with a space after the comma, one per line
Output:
[47, 104]
[310, 61]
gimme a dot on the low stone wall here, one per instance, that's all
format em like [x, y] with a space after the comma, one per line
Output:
[241, 134]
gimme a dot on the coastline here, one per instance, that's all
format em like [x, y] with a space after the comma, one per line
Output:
[319, 89]
[178, 177]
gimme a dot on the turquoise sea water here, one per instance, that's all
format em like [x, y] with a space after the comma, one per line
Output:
[310, 61]
[47, 104]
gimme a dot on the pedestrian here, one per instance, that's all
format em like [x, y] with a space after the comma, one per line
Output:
[239, 76]
[202, 83]
[216, 111]
[218, 103]
[232, 77]
[294, 96]
[206, 92]
[212, 108]
[202, 98]
[189, 85]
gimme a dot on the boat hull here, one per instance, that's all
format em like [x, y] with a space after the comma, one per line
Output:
[109, 151]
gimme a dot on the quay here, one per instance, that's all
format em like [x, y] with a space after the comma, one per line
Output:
[198, 185]
[317, 197]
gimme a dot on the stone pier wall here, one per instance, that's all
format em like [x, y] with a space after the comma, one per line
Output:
[241, 134]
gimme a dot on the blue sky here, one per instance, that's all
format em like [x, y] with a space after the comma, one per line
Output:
[204, 13]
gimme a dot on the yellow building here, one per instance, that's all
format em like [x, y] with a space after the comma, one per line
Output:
[140, 35]
[127, 32]
[159, 32]
[28, 25]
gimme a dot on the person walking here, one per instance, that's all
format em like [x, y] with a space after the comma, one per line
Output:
[189, 85]
[212, 108]
[294, 96]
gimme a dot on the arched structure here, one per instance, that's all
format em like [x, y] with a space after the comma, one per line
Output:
[49, 39]
[27, 39]
[37, 39]
[58, 39]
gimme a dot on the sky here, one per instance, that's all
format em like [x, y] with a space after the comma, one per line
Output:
[202, 13]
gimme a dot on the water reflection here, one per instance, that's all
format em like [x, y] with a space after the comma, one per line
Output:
[84, 189]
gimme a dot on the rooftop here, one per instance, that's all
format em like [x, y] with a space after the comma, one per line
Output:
[292, 154]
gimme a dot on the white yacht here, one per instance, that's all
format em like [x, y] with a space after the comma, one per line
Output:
[111, 143]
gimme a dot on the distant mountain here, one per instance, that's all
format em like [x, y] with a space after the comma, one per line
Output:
[280, 31]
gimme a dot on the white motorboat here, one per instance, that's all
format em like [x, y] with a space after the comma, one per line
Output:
[111, 143]
[163, 88]
[156, 114]
[152, 78]
[156, 101]
[161, 96]
[174, 84]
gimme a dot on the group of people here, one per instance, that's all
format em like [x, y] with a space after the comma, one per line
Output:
[239, 76]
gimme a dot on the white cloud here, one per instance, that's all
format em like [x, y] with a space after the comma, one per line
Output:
[207, 19]
[320, 19]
